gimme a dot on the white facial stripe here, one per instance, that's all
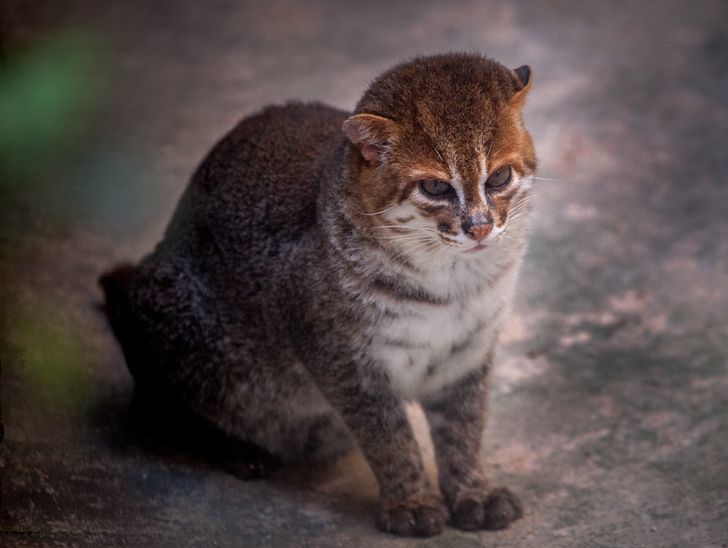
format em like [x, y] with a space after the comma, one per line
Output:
[482, 177]
[455, 179]
[518, 183]
[402, 211]
[420, 174]
[422, 198]
[457, 184]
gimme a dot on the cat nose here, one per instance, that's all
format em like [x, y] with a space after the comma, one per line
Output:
[477, 230]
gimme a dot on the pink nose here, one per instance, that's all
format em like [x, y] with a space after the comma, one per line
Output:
[478, 232]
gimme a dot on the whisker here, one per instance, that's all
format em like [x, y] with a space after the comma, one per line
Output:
[402, 227]
[517, 210]
[439, 155]
[376, 212]
[403, 238]
[524, 198]
[432, 249]
[496, 152]
[439, 251]
[446, 246]
[518, 215]
[423, 244]
[547, 179]
[412, 249]
[432, 253]
[520, 204]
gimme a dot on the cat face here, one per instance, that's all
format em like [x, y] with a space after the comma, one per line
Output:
[443, 158]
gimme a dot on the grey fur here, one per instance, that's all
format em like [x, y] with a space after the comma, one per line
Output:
[263, 308]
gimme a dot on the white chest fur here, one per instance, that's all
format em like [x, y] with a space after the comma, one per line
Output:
[428, 346]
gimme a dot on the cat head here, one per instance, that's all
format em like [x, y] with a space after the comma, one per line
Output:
[439, 153]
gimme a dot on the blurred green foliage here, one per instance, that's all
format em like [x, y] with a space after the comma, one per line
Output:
[47, 98]
[57, 175]
[52, 352]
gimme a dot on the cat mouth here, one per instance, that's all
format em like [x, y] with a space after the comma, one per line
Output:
[477, 247]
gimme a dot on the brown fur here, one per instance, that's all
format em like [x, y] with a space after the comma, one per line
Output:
[285, 307]
[423, 123]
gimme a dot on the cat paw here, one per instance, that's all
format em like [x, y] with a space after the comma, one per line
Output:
[424, 517]
[495, 510]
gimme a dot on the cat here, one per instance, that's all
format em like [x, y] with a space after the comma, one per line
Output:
[323, 267]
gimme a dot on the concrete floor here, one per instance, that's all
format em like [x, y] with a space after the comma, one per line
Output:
[610, 406]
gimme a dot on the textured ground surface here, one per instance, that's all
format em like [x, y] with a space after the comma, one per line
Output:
[610, 403]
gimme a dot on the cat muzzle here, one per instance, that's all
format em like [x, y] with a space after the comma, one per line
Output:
[478, 230]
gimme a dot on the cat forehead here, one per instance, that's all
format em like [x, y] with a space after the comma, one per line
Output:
[467, 153]
[457, 100]
[463, 143]
[443, 86]
[459, 111]
[470, 125]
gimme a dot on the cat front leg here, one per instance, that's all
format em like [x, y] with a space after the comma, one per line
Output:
[457, 419]
[409, 505]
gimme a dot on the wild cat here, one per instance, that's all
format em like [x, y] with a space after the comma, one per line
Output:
[324, 267]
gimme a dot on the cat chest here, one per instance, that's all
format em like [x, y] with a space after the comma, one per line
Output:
[424, 348]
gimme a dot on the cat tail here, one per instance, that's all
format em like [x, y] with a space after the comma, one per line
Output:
[116, 284]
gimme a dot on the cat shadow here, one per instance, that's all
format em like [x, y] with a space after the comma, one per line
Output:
[135, 425]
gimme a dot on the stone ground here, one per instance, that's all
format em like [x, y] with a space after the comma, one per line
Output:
[610, 403]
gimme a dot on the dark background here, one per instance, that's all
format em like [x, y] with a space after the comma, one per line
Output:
[609, 409]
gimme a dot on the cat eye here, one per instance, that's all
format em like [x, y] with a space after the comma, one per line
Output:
[499, 178]
[436, 189]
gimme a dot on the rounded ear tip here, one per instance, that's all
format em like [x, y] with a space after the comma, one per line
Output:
[523, 73]
[350, 128]
[354, 125]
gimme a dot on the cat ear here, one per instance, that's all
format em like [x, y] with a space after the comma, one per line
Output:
[522, 77]
[370, 133]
